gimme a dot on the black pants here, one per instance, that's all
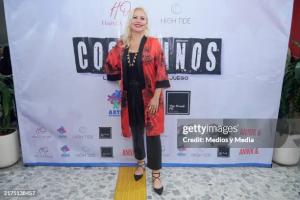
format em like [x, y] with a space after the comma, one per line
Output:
[136, 121]
[153, 147]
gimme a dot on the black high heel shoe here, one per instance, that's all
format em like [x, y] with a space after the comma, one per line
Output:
[157, 190]
[142, 165]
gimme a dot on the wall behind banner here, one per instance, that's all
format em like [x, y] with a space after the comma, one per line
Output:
[70, 115]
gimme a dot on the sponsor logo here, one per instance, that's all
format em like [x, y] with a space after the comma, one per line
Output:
[223, 151]
[198, 155]
[114, 99]
[86, 152]
[176, 9]
[248, 151]
[106, 152]
[178, 102]
[181, 154]
[65, 149]
[62, 132]
[181, 151]
[182, 55]
[41, 133]
[43, 152]
[104, 132]
[118, 10]
[249, 132]
[199, 152]
[83, 134]
[177, 16]
[127, 152]
[82, 129]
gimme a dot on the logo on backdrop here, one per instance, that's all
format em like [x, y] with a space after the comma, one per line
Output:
[248, 151]
[177, 17]
[62, 132]
[65, 149]
[119, 9]
[104, 132]
[41, 133]
[127, 152]
[200, 154]
[114, 99]
[181, 151]
[223, 151]
[182, 55]
[43, 152]
[176, 9]
[82, 135]
[178, 102]
[106, 152]
[85, 152]
[82, 129]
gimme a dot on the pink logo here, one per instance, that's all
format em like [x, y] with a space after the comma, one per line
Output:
[122, 7]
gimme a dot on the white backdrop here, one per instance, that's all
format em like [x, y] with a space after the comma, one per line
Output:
[62, 111]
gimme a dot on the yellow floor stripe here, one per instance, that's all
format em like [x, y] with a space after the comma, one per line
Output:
[129, 189]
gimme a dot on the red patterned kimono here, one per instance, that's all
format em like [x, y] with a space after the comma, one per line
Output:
[152, 74]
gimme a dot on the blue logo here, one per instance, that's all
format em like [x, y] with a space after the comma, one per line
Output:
[115, 100]
[65, 149]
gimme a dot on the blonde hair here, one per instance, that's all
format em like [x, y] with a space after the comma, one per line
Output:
[126, 37]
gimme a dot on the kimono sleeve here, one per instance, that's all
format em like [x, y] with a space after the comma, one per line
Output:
[162, 80]
[112, 64]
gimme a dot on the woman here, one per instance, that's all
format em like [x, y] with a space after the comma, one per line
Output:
[138, 62]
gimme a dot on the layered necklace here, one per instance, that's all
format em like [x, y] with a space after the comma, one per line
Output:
[131, 64]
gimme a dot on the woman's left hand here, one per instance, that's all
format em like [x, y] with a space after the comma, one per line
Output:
[153, 105]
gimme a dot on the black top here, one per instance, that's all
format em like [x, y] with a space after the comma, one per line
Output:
[139, 66]
[134, 95]
[132, 72]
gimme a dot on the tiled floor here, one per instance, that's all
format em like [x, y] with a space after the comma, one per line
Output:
[84, 183]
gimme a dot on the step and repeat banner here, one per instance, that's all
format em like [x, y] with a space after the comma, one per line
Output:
[225, 61]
